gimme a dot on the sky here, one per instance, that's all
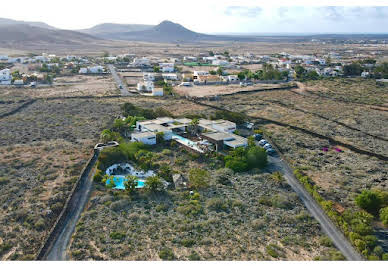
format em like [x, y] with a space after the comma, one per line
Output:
[212, 16]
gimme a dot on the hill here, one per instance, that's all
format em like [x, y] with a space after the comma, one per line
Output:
[103, 30]
[23, 34]
[7, 22]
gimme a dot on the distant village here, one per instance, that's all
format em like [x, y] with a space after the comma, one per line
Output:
[156, 74]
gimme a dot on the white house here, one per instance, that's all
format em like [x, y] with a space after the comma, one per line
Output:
[96, 69]
[157, 91]
[190, 58]
[146, 86]
[198, 73]
[167, 67]
[83, 70]
[4, 57]
[233, 78]
[18, 82]
[218, 62]
[365, 74]
[170, 76]
[148, 138]
[148, 77]
[139, 62]
[5, 77]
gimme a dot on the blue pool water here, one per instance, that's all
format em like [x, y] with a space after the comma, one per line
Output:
[186, 141]
[120, 179]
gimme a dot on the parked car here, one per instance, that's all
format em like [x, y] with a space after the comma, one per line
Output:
[121, 87]
[258, 137]
[249, 125]
[270, 152]
[267, 146]
[263, 142]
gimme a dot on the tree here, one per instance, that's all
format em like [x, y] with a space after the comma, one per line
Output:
[160, 137]
[107, 135]
[199, 178]
[370, 201]
[354, 69]
[241, 76]
[131, 184]
[194, 125]
[154, 184]
[220, 71]
[165, 172]
[256, 157]
[300, 71]
[156, 69]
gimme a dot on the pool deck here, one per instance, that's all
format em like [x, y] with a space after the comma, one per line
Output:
[186, 142]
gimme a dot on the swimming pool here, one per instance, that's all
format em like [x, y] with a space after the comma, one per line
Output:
[186, 142]
[119, 181]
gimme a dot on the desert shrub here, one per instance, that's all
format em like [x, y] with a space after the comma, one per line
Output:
[272, 250]
[325, 241]
[191, 208]
[98, 176]
[384, 216]
[161, 207]
[265, 200]
[188, 242]
[194, 256]
[336, 255]
[119, 205]
[258, 224]
[40, 224]
[117, 235]
[199, 178]
[4, 180]
[166, 254]
[165, 172]
[370, 201]
[5, 247]
[281, 201]
[217, 204]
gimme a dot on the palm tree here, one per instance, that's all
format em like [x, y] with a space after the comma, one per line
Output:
[194, 125]
[131, 184]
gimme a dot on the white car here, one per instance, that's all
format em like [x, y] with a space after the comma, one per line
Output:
[263, 142]
[267, 146]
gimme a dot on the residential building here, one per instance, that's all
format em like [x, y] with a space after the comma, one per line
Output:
[157, 91]
[198, 73]
[5, 77]
[170, 76]
[141, 62]
[148, 77]
[167, 67]
[148, 138]
[18, 82]
[146, 86]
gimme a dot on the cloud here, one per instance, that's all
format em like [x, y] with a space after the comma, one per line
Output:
[341, 13]
[243, 11]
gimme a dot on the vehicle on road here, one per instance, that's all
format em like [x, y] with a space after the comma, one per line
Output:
[267, 146]
[270, 151]
[258, 137]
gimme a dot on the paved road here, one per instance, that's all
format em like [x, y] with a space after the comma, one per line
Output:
[339, 240]
[123, 89]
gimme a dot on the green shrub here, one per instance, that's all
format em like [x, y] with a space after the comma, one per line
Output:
[243, 159]
[370, 201]
[194, 256]
[325, 241]
[40, 224]
[191, 208]
[4, 180]
[272, 251]
[188, 242]
[117, 235]
[384, 256]
[199, 178]
[384, 216]
[218, 205]
[98, 176]
[166, 254]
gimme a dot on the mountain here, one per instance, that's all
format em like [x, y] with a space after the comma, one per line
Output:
[102, 30]
[7, 22]
[24, 35]
[166, 31]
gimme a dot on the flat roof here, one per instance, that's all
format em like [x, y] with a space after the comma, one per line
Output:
[183, 120]
[217, 136]
[156, 127]
[237, 142]
[143, 134]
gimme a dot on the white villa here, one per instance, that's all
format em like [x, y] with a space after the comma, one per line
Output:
[5, 77]
[140, 62]
[167, 67]
[92, 70]
[218, 133]
[146, 86]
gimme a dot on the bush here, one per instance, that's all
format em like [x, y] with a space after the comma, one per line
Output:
[243, 159]
[218, 205]
[384, 216]
[117, 235]
[119, 205]
[188, 242]
[166, 254]
[98, 176]
[370, 201]
[191, 208]
[40, 224]
[385, 256]
[154, 184]
[194, 256]
[199, 178]
[4, 180]
[326, 241]
[272, 251]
